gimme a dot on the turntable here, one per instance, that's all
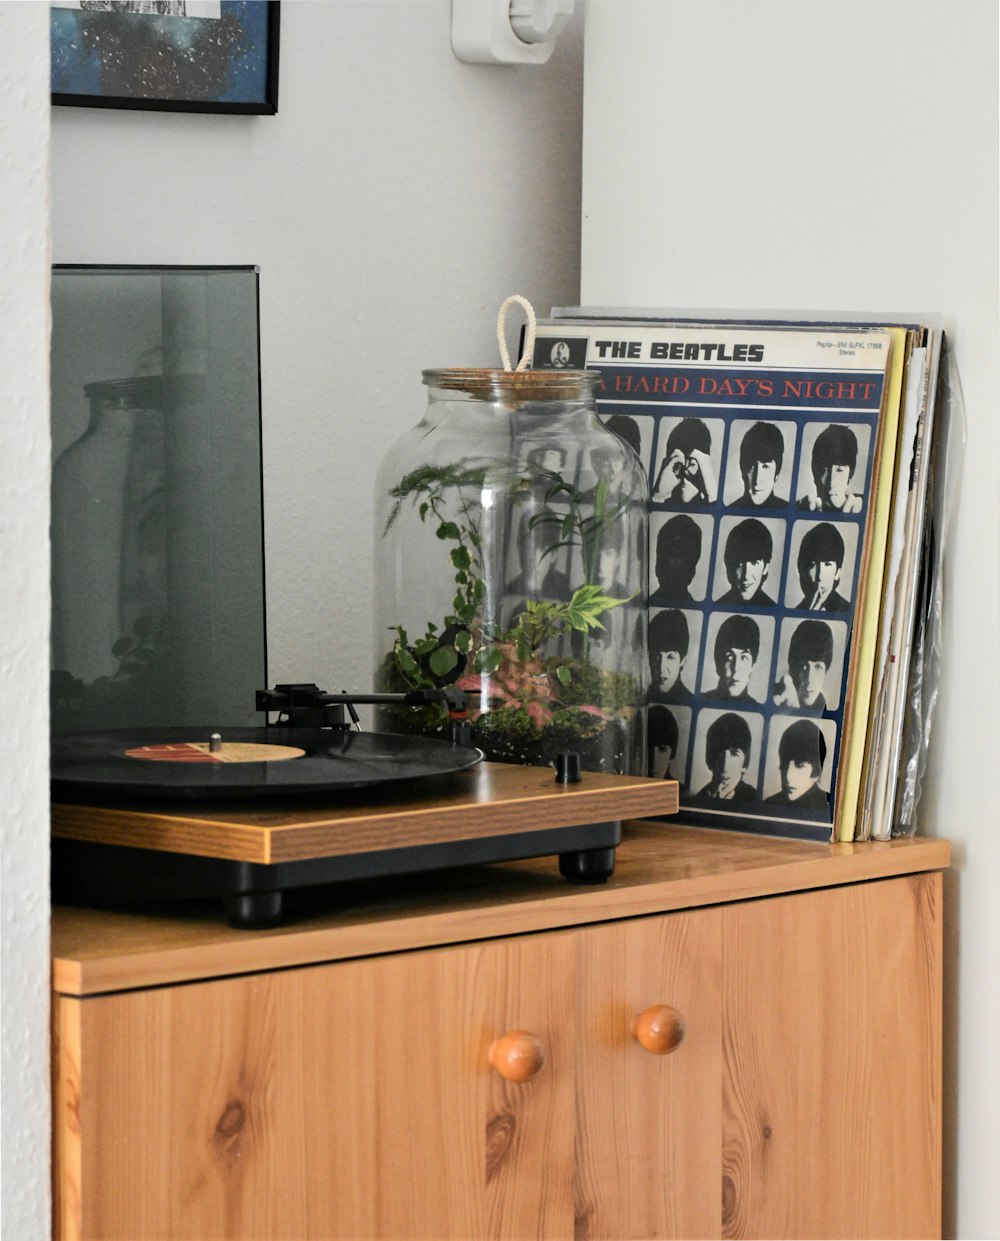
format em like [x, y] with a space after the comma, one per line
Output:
[251, 814]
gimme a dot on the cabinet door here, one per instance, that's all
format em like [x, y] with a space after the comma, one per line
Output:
[343, 1101]
[832, 1055]
[649, 1126]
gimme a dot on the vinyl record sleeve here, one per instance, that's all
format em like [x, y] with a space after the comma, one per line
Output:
[693, 394]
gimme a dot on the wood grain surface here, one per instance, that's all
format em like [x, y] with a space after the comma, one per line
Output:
[347, 1101]
[67, 1152]
[649, 1133]
[490, 799]
[805, 1100]
[661, 866]
[356, 1099]
[832, 1063]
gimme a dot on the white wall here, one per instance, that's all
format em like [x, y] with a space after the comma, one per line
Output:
[394, 201]
[24, 656]
[840, 157]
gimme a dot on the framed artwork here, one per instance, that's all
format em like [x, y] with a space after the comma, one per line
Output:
[166, 55]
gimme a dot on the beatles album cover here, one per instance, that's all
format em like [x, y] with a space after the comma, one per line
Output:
[761, 445]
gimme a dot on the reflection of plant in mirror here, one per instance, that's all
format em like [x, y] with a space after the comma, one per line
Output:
[136, 652]
[121, 699]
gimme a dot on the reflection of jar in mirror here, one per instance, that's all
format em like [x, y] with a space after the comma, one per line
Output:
[108, 530]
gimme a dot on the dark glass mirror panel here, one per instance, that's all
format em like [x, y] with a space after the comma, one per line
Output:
[157, 538]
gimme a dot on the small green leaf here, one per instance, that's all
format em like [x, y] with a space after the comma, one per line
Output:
[443, 660]
[392, 516]
[460, 557]
[553, 548]
[463, 640]
[560, 486]
[487, 660]
[465, 613]
[564, 675]
[587, 605]
[405, 660]
[448, 530]
[424, 646]
[545, 518]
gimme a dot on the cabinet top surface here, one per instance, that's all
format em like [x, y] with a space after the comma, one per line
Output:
[660, 867]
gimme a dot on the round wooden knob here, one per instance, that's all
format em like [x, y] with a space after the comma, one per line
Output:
[517, 1055]
[660, 1029]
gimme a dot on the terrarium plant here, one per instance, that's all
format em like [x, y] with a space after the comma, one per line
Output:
[534, 688]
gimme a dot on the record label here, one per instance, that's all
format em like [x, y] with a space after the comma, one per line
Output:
[200, 752]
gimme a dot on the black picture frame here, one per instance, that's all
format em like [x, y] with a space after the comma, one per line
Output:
[76, 53]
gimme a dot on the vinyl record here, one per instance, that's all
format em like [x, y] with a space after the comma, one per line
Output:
[178, 763]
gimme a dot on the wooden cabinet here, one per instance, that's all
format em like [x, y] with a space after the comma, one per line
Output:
[333, 1078]
[648, 1131]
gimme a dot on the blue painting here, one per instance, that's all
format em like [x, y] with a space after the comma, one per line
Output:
[187, 55]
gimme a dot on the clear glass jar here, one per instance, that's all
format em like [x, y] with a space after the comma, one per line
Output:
[510, 561]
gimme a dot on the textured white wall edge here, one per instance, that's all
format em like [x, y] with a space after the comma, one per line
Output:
[24, 652]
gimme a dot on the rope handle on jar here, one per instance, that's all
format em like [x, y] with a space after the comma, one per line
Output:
[529, 343]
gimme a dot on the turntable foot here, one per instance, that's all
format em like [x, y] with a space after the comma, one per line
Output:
[253, 909]
[587, 865]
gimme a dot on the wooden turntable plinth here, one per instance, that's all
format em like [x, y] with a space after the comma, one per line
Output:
[250, 854]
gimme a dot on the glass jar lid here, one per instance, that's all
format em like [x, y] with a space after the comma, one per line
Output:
[485, 384]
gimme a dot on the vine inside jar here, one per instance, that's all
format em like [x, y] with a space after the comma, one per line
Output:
[552, 660]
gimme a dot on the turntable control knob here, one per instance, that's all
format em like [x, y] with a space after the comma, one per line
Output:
[518, 1056]
[568, 768]
[660, 1029]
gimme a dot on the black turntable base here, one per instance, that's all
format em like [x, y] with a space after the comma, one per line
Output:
[113, 845]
